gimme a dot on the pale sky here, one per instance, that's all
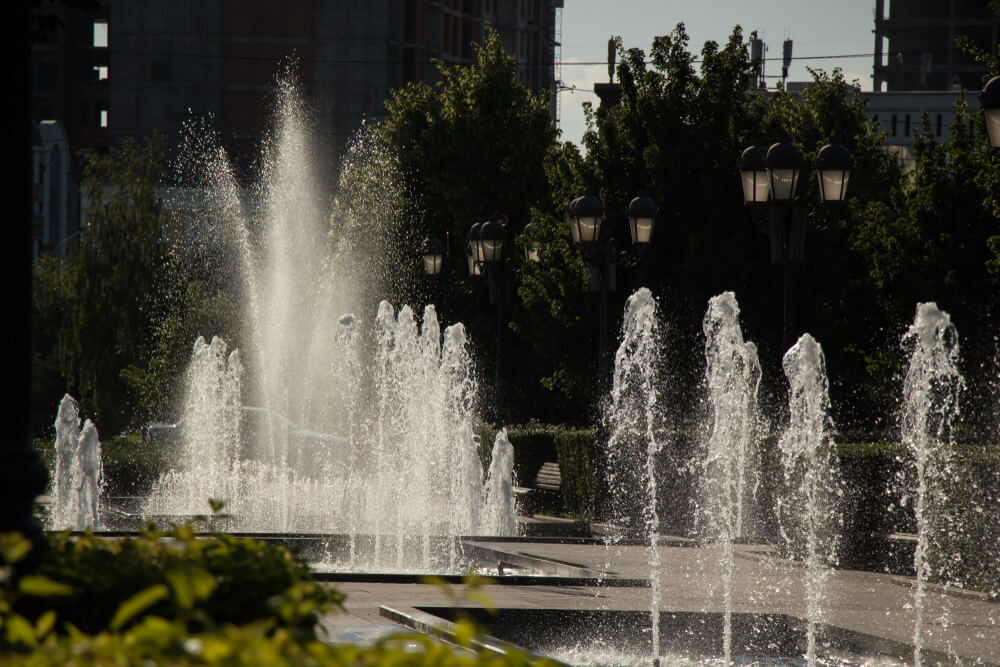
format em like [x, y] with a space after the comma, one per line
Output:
[816, 27]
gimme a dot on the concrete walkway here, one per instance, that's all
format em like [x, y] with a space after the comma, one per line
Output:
[958, 627]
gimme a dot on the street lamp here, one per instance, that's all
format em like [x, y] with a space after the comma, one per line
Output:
[770, 181]
[433, 254]
[530, 245]
[783, 165]
[641, 218]
[491, 235]
[833, 169]
[753, 175]
[485, 253]
[585, 214]
[597, 245]
[989, 100]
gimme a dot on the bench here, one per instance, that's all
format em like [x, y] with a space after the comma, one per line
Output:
[544, 493]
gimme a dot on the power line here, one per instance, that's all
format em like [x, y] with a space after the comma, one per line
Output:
[375, 61]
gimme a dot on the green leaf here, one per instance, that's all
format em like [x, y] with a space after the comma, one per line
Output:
[43, 587]
[45, 623]
[190, 585]
[216, 505]
[137, 604]
[14, 547]
[20, 631]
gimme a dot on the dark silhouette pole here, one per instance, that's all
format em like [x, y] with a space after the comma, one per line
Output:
[22, 474]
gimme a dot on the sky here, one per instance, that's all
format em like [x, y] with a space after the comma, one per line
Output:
[816, 28]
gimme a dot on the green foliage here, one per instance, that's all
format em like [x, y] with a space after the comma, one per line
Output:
[51, 296]
[576, 466]
[114, 278]
[473, 147]
[177, 620]
[199, 580]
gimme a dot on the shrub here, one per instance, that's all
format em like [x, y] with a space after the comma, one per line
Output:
[246, 580]
[193, 614]
[576, 466]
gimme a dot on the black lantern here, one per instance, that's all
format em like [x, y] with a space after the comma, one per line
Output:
[585, 215]
[753, 175]
[530, 245]
[989, 100]
[833, 168]
[433, 253]
[475, 268]
[491, 236]
[783, 163]
[574, 226]
[641, 218]
[475, 238]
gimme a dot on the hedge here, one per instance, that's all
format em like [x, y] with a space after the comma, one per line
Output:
[201, 600]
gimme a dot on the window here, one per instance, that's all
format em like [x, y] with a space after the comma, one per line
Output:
[939, 125]
[101, 34]
[906, 131]
[102, 120]
[894, 119]
[101, 72]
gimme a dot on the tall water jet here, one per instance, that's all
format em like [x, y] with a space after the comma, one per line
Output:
[730, 458]
[633, 446]
[808, 501]
[211, 458]
[930, 405]
[79, 473]
[384, 450]
[498, 500]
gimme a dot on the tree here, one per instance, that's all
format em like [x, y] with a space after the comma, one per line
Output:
[116, 278]
[473, 146]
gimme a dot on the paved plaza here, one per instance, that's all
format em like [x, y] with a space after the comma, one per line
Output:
[959, 627]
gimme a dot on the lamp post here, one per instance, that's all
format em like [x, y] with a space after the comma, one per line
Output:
[770, 179]
[592, 235]
[989, 100]
[530, 247]
[486, 252]
[435, 259]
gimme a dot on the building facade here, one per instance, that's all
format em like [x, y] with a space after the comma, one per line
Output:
[137, 66]
[915, 44]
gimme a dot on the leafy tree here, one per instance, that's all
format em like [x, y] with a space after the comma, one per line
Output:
[116, 279]
[473, 146]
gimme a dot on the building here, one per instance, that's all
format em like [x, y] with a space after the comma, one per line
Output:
[915, 44]
[54, 192]
[133, 67]
[900, 114]
[138, 66]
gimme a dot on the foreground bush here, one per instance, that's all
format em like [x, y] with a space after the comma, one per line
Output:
[177, 598]
[88, 584]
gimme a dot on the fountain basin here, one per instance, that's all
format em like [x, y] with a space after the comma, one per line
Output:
[588, 637]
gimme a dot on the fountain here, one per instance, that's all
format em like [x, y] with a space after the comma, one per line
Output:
[809, 496]
[78, 471]
[353, 421]
[498, 502]
[633, 445]
[930, 406]
[322, 422]
[729, 463]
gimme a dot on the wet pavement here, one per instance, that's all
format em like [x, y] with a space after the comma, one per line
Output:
[958, 626]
